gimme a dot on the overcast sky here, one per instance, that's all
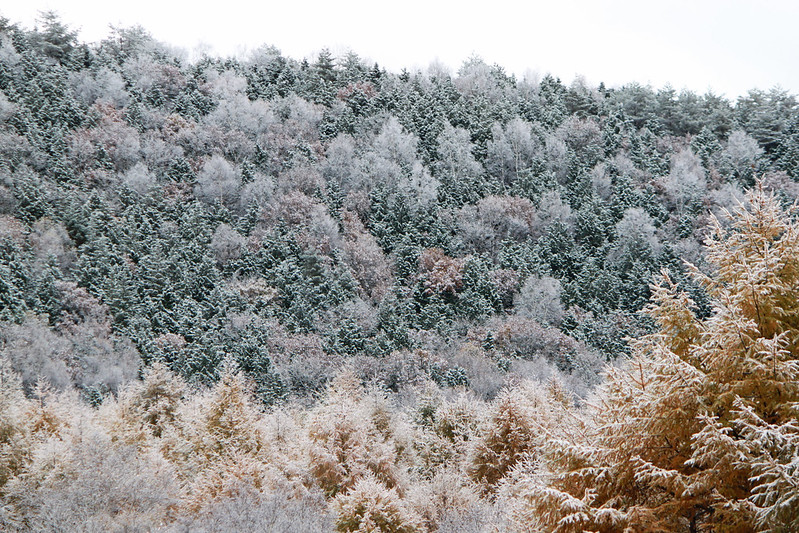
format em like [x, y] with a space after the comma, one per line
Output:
[728, 46]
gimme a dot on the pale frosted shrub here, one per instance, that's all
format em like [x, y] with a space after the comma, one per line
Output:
[218, 181]
[84, 352]
[147, 72]
[89, 484]
[400, 370]
[539, 299]
[7, 108]
[158, 154]
[634, 229]
[455, 157]
[103, 85]
[365, 257]
[480, 518]
[395, 145]
[79, 306]
[138, 178]
[340, 164]
[293, 207]
[225, 85]
[524, 338]
[119, 141]
[319, 230]
[227, 244]
[493, 219]
[257, 193]
[249, 510]
[723, 199]
[370, 507]
[686, 182]
[35, 352]
[506, 283]
[301, 178]
[254, 290]
[50, 239]
[781, 184]
[552, 209]
[358, 202]
[13, 445]
[556, 156]
[76, 478]
[743, 154]
[301, 362]
[483, 376]
[512, 149]
[11, 229]
[322, 233]
[237, 112]
[16, 149]
[99, 359]
[447, 492]
[602, 181]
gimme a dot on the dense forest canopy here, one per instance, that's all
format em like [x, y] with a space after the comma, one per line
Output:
[236, 231]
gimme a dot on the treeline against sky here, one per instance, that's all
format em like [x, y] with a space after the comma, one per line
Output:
[295, 215]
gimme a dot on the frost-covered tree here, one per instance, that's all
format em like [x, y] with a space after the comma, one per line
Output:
[539, 299]
[54, 39]
[686, 183]
[104, 85]
[512, 149]
[456, 167]
[698, 431]
[392, 164]
[218, 181]
[742, 153]
[139, 178]
[227, 243]
[495, 219]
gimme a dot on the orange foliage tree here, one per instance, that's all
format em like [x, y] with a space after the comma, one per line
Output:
[699, 431]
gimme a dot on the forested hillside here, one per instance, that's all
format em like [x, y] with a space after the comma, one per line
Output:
[262, 290]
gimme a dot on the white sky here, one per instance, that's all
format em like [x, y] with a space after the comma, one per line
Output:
[728, 46]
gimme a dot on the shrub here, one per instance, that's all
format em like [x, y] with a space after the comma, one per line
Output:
[77, 479]
[370, 507]
[249, 510]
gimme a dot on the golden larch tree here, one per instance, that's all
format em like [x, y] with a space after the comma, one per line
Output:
[699, 430]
